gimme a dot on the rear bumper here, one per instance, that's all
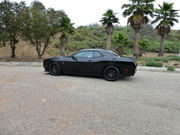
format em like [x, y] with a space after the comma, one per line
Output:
[129, 71]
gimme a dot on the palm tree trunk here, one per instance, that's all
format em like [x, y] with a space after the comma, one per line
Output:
[62, 49]
[108, 47]
[161, 50]
[136, 45]
[63, 41]
[121, 51]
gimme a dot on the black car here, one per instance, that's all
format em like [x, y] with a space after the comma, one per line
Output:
[96, 62]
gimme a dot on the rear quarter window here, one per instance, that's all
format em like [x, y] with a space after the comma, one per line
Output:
[97, 54]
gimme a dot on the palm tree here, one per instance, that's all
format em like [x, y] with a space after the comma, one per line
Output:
[138, 12]
[66, 27]
[108, 19]
[167, 17]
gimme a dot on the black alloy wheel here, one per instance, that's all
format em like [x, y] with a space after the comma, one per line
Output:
[111, 73]
[55, 69]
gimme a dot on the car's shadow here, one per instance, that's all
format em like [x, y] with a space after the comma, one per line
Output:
[93, 77]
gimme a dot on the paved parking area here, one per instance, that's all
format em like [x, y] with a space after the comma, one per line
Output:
[35, 103]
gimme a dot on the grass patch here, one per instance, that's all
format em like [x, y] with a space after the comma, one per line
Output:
[154, 59]
[171, 56]
[154, 64]
[170, 68]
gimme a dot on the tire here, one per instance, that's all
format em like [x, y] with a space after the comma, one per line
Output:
[55, 69]
[111, 73]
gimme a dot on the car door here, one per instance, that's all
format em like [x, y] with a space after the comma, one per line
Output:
[89, 63]
[79, 63]
[83, 62]
[97, 63]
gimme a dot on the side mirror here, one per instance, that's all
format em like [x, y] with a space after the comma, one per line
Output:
[74, 58]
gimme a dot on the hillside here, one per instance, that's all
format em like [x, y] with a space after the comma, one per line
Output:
[94, 36]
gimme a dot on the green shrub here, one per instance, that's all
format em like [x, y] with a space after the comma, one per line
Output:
[161, 59]
[175, 58]
[170, 68]
[128, 51]
[154, 64]
[171, 47]
[154, 46]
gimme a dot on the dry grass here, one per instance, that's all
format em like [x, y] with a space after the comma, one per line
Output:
[24, 52]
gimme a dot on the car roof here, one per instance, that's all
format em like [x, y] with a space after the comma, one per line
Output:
[101, 50]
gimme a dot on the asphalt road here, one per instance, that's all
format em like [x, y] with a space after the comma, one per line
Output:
[35, 103]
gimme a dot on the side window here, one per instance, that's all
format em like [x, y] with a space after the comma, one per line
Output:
[97, 54]
[85, 54]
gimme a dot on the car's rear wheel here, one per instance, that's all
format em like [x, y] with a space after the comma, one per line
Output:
[111, 73]
[55, 69]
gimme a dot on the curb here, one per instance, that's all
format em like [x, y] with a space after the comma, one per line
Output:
[29, 64]
[40, 64]
[160, 69]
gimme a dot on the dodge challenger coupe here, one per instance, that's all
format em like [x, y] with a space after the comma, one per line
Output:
[98, 62]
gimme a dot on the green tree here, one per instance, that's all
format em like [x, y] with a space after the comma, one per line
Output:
[66, 27]
[121, 41]
[138, 12]
[10, 22]
[167, 17]
[55, 18]
[109, 18]
[39, 26]
[3, 39]
[61, 24]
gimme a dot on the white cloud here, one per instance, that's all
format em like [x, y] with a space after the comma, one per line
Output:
[84, 12]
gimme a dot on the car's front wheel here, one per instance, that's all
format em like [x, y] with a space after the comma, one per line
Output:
[55, 69]
[111, 73]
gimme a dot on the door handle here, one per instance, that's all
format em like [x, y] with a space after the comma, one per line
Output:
[89, 60]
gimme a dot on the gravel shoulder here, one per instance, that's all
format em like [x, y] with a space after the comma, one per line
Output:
[35, 103]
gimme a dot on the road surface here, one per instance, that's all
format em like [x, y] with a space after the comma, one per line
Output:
[35, 103]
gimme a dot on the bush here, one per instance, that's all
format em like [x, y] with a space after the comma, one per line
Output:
[175, 58]
[161, 59]
[171, 47]
[154, 64]
[128, 51]
[154, 46]
[170, 68]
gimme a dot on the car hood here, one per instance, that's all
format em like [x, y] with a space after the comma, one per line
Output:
[54, 58]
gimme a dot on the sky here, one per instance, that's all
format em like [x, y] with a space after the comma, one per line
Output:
[85, 12]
